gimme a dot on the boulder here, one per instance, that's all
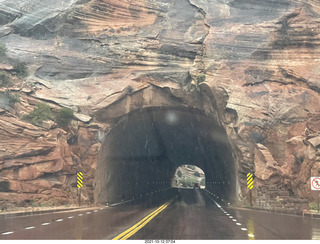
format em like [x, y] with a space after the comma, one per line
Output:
[261, 165]
[315, 141]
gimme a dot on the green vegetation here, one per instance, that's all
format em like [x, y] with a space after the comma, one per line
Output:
[21, 69]
[5, 80]
[9, 99]
[129, 89]
[40, 113]
[191, 167]
[3, 49]
[313, 206]
[201, 78]
[179, 174]
[50, 203]
[13, 98]
[188, 182]
[64, 117]
[196, 173]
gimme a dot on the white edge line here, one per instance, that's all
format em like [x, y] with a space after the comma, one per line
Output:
[30, 227]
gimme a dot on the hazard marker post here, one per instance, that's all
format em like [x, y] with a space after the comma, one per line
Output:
[315, 186]
[250, 186]
[79, 185]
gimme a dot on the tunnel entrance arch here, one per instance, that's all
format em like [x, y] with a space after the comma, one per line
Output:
[141, 153]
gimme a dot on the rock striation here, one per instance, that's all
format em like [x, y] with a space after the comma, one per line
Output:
[261, 60]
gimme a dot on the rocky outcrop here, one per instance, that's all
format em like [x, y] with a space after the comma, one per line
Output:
[261, 60]
[38, 165]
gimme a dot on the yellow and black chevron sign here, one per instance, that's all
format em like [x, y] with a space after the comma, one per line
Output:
[79, 180]
[249, 181]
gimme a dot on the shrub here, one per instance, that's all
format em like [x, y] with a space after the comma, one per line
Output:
[40, 113]
[129, 89]
[313, 206]
[64, 117]
[3, 49]
[21, 69]
[201, 78]
[13, 98]
[179, 174]
[5, 80]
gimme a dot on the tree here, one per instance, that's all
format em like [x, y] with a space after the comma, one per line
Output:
[179, 174]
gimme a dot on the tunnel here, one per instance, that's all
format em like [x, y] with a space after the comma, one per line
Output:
[142, 151]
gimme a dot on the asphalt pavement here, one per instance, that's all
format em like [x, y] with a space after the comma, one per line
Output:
[193, 214]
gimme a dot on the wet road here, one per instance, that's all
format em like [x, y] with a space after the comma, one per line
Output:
[99, 223]
[199, 215]
[195, 214]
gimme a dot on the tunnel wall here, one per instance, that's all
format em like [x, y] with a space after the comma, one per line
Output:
[142, 151]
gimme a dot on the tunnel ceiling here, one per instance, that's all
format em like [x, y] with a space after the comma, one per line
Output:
[150, 144]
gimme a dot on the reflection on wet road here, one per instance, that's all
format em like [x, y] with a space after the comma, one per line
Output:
[195, 214]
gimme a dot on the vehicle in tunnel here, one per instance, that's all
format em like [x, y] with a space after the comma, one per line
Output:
[196, 186]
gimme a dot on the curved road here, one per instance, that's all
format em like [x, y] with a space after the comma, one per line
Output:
[194, 214]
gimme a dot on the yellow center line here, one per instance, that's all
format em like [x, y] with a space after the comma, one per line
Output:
[132, 230]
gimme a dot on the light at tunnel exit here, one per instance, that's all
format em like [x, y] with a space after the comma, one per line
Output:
[186, 176]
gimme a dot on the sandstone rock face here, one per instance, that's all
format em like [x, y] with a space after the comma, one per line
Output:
[107, 58]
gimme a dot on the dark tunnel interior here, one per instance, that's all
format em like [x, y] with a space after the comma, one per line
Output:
[143, 150]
